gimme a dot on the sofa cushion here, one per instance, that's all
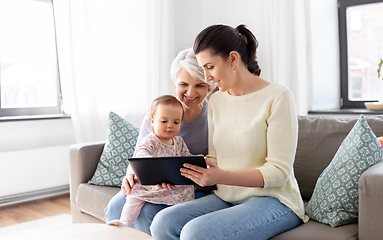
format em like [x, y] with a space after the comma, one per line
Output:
[93, 199]
[314, 230]
[335, 198]
[120, 144]
[318, 140]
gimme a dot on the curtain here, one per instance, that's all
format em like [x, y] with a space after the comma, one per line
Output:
[114, 56]
[284, 46]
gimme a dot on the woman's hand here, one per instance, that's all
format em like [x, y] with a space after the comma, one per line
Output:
[128, 182]
[168, 186]
[202, 176]
[214, 175]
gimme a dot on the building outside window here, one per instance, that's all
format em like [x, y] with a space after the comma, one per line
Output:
[361, 48]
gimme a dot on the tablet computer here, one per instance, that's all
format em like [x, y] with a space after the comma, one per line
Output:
[158, 170]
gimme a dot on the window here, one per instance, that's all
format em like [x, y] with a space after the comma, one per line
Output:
[29, 76]
[361, 48]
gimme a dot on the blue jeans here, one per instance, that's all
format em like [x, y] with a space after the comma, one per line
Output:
[211, 218]
[148, 211]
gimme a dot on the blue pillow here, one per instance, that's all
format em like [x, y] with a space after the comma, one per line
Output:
[120, 145]
[335, 199]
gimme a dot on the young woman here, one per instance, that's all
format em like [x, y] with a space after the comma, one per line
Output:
[192, 91]
[253, 133]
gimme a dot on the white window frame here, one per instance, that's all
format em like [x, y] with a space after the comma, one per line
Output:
[18, 112]
[342, 8]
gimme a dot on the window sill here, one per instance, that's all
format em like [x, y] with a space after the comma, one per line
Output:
[347, 111]
[34, 117]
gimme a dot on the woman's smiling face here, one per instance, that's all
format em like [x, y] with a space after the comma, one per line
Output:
[216, 69]
[190, 91]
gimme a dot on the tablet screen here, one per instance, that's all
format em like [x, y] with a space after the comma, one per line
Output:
[158, 170]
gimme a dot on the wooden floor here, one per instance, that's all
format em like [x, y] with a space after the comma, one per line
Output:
[24, 212]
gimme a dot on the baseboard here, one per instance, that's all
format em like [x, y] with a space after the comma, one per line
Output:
[33, 195]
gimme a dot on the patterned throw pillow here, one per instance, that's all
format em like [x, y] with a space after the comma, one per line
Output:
[119, 146]
[335, 199]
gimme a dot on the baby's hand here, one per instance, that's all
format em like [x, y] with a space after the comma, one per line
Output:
[168, 186]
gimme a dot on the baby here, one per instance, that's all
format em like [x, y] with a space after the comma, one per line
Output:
[165, 116]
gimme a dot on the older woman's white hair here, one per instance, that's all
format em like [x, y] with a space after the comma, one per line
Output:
[186, 60]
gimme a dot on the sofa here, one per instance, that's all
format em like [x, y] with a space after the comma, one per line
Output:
[318, 141]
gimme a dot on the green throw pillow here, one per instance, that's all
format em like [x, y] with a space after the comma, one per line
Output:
[335, 199]
[120, 144]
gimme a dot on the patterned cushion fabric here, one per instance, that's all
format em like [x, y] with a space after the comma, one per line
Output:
[120, 145]
[335, 198]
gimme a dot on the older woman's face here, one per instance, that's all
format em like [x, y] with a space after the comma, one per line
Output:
[190, 91]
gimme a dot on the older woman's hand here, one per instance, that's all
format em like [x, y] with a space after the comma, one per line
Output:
[202, 176]
[128, 182]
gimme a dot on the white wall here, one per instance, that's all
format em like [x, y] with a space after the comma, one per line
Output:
[34, 155]
[187, 23]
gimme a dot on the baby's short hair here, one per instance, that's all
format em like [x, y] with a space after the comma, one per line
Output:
[166, 100]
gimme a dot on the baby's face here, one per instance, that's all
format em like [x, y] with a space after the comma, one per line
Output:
[166, 121]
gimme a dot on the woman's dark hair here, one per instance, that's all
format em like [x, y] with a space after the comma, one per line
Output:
[222, 39]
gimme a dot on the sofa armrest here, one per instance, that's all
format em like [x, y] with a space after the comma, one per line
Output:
[83, 161]
[370, 203]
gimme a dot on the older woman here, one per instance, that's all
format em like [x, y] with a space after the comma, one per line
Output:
[191, 90]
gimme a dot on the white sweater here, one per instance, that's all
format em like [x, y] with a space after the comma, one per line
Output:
[256, 131]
